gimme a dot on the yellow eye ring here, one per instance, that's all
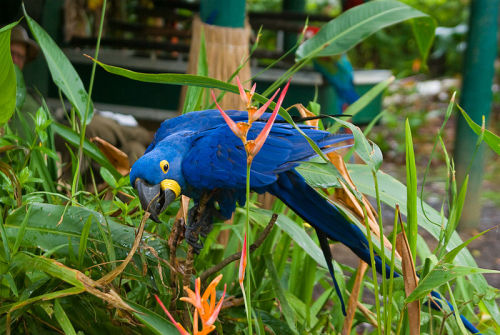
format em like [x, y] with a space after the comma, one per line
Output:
[164, 166]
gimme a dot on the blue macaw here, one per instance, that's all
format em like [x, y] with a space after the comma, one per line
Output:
[338, 72]
[197, 155]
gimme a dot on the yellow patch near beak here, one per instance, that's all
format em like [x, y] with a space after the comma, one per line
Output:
[172, 185]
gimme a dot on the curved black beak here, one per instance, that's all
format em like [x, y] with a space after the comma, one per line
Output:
[153, 199]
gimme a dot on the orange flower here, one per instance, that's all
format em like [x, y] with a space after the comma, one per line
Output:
[176, 324]
[205, 307]
[240, 129]
[261, 138]
[243, 262]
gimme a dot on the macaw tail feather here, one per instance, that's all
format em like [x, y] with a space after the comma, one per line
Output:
[293, 190]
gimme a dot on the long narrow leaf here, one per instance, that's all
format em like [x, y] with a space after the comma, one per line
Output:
[411, 192]
[350, 28]
[62, 319]
[490, 138]
[89, 148]
[63, 73]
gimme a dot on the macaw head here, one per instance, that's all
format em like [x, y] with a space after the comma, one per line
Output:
[157, 176]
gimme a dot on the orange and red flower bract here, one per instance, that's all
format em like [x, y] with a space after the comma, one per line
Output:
[240, 129]
[243, 262]
[177, 325]
[205, 307]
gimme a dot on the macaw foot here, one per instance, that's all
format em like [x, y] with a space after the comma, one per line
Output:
[200, 220]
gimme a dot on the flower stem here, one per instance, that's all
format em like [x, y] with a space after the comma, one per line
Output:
[246, 293]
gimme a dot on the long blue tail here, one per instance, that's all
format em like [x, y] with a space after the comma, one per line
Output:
[292, 189]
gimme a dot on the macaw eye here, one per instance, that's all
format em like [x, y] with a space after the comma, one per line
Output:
[164, 166]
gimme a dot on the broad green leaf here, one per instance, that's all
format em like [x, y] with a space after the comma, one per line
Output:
[63, 73]
[90, 149]
[490, 138]
[296, 232]
[440, 275]
[423, 30]
[356, 24]
[154, 322]
[322, 175]
[50, 226]
[368, 151]
[7, 76]
[20, 89]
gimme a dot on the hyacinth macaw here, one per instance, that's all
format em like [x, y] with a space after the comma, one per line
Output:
[198, 155]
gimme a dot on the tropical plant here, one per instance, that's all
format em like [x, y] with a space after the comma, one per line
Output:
[75, 261]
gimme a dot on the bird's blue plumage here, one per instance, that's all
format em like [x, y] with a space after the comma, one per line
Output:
[205, 157]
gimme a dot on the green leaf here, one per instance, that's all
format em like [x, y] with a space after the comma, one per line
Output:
[280, 293]
[50, 226]
[63, 319]
[63, 73]
[456, 211]
[194, 94]
[7, 76]
[368, 151]
[440, 275]
[55, 269]
[20, 89]
[153, 321]
[108, 177]
[89, 148]
[411, 192]
[297, 233]
[393, 192]
[82, 248]
[322, 175]
[490, 138]
[353, 26]
[423, 30]
[48, 296]
[450, 256]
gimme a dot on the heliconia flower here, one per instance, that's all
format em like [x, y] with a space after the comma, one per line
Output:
[246, 96]
[240, 129]
[177, 325]
[243, 262]
[194, 298]
[256, 114]
[254, 146]
[206, 310]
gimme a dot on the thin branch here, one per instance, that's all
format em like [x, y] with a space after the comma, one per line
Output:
[108, 278]
[236, 256]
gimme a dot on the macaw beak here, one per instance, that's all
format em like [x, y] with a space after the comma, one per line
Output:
[156, 198]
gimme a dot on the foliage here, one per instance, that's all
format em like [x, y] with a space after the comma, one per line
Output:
[90, 262]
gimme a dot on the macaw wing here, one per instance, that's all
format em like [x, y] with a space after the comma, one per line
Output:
[217, 158]
[196, 121]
